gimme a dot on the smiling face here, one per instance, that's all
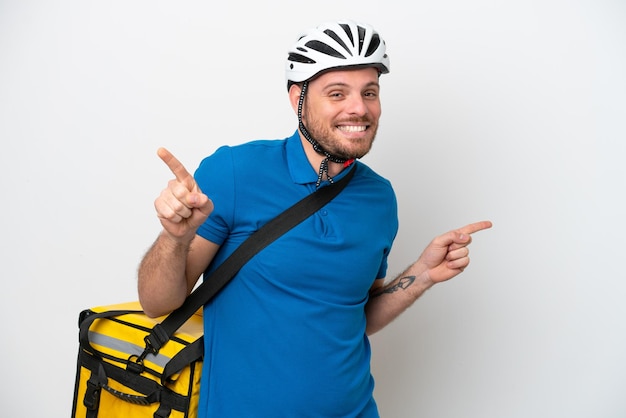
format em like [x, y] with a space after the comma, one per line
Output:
[341, 110]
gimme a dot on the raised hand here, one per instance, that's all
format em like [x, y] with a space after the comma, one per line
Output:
[447, 255]
[181, 207]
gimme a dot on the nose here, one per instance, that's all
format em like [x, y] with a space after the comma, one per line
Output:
[356, 105]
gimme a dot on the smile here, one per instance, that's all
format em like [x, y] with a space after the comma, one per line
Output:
[352, 128]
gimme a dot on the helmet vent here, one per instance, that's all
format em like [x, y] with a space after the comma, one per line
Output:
[361, 38]
[324, 49]
[337, 39]
[373, 46]
[300, 58]
[346, 29]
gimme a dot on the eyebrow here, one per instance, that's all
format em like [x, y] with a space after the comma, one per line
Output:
[342, 84]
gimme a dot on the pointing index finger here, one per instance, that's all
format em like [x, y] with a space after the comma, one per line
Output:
[176, 167]
[475, 227]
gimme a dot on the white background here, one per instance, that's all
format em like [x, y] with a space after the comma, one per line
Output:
[512, 111]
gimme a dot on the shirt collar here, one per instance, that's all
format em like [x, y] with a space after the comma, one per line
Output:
[299, 165]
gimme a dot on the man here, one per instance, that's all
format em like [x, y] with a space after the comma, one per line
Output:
[287, 337]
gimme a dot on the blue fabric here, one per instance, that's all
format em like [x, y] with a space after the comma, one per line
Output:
[286, 337]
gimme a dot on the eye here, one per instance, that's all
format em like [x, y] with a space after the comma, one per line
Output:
[371, 94]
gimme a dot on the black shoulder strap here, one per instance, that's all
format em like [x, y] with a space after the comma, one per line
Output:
[228, 269]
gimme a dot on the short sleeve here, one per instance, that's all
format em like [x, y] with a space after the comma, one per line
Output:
[215, 178]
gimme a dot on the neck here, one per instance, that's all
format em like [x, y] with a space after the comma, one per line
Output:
[315, 158]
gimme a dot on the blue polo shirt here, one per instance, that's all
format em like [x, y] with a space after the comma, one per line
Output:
[286, 337]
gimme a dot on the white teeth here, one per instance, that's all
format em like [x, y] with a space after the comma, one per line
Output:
[352, 128]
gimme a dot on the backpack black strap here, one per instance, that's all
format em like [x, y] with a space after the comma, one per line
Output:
[229, 268]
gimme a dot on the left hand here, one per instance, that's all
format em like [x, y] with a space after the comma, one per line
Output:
[447, 255]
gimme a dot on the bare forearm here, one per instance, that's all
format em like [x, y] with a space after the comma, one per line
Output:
[162, 284]
[390, 300]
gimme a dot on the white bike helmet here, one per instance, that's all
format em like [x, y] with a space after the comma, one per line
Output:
[342, 44]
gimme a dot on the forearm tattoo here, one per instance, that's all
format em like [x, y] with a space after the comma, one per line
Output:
[402, 283]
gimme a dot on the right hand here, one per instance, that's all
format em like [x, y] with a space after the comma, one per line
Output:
[181, 207]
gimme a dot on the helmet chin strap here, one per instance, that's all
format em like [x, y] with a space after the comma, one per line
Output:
[316, 145]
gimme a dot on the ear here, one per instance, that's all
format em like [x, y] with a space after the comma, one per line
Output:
[294, 96]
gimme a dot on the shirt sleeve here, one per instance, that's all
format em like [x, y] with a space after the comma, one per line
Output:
[215, 177]
[393, 225]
